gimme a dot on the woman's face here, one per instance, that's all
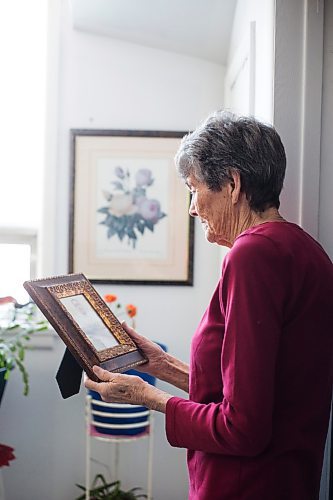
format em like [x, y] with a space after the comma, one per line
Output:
[214, 209]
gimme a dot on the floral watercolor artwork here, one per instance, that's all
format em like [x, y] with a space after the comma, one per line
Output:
[129, 220]
[128, 210]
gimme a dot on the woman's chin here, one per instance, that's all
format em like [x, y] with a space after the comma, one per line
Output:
[210, 236]
[215, 238]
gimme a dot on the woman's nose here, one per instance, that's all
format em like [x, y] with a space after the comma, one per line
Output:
[192, 210]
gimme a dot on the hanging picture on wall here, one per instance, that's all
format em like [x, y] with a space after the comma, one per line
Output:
[129, 209]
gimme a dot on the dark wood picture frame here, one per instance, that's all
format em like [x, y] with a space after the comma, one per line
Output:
[88, 147]
[119, 351]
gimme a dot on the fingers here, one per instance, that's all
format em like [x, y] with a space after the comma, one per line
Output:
[93, 386]
[132, 333]
[139, 339]
[103, 375]
[128, 329]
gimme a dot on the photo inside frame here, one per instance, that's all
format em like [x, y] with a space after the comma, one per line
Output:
[89, 322]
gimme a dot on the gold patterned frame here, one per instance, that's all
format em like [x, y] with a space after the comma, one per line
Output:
[47, 294]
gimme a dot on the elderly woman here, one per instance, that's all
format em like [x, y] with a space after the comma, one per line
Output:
[261, 367]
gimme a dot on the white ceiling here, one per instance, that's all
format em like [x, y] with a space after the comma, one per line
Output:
[198, 28]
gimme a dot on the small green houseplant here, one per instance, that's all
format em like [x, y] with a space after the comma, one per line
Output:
[17, 324]
[102, 490]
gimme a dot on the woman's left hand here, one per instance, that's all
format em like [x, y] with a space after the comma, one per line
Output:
[120, 388]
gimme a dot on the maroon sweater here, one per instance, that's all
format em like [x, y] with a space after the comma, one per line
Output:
[261, 372]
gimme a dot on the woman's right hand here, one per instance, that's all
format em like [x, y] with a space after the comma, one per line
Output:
[155, 354]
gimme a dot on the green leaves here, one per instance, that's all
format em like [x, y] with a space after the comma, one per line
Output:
[15, 337]
[24, 374]
[109, 491]
[127, 225]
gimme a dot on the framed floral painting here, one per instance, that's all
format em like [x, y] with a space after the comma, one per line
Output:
[129, 220]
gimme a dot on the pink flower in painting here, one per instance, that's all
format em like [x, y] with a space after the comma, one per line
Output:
[150, 209]
[143, 177]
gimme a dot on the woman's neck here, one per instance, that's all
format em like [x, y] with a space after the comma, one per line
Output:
[247, 218]
[269, 215]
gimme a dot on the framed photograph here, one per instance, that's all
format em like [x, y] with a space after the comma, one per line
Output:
[81, 318]
[129, 220]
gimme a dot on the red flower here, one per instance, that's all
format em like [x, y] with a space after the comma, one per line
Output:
[6, 454]
[110, 298]
[131, 310]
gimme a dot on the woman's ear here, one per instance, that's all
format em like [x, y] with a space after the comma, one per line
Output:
[234, 186]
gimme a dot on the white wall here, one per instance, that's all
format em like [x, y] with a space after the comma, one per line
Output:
[297, 106]
[105, 83]
[326, 171]
[262, 13]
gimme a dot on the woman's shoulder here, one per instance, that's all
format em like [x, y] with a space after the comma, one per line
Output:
[254, 247]
[274, 242]
[266, 237]
[274, 231]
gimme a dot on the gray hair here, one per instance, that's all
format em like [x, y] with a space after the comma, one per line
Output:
[224, 143]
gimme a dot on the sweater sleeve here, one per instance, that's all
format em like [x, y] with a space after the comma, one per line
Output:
[252, 296]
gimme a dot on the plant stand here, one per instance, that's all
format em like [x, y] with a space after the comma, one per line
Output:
[116, 440]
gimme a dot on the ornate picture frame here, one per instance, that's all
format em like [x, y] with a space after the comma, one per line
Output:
[129, 221]
[85, 323]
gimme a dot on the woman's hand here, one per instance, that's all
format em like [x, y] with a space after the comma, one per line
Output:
[155, 354]
[119, 388]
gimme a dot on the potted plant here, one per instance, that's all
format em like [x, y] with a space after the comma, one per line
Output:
[102, 490]
[17, 323]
